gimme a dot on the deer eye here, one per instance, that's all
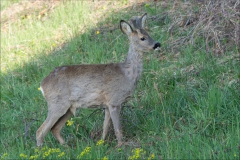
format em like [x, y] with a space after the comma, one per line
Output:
[143, 39]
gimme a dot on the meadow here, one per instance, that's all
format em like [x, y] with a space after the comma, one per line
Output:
[186, 104]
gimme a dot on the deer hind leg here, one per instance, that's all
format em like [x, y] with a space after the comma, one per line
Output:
[56, 129]
[52, 118]
[115, 116]
[106, 123]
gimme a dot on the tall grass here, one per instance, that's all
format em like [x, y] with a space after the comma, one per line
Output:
[186, 104]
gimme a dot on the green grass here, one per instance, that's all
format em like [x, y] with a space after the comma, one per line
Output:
[7, 3]
[186, 106]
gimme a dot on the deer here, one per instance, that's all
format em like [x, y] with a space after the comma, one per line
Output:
[107, 86]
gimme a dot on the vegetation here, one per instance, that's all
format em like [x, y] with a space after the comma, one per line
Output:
[186, 105]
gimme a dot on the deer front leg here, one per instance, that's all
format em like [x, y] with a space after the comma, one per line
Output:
[106, 123]
[115, 114]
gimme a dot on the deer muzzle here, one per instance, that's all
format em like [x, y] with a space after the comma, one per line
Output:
[157, 46]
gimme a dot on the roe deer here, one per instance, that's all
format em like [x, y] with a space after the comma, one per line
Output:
[67, 88]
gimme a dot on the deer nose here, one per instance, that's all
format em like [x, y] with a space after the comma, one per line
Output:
[157, 46]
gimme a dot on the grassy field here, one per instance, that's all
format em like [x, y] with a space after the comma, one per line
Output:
[186, 105]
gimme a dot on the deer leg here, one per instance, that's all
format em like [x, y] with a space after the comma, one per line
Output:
[115, 114]
[51, 119]
[106, 123]
[56, 129]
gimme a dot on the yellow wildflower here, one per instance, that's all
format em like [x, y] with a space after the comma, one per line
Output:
[152, 156]
[69, 122]
[33, 157]
[4, 155]
[97, 32]
[100, 142]
[85, 151]
[61, 154]
[23, 155]
[44, 148]
[47, 153]
[39, 88]
[137, 154]
[105, 158]
[235, 155]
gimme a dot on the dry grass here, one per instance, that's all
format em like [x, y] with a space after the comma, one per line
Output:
[217, 22]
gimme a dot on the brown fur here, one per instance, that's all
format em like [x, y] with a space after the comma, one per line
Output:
[67, 88]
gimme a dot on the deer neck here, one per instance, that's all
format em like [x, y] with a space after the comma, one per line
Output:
[133, 64]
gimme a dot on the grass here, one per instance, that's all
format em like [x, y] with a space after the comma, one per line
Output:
[6, 3]
[186, 105]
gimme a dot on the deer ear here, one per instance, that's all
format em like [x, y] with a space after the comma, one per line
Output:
[126, 28]
[144, 17]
